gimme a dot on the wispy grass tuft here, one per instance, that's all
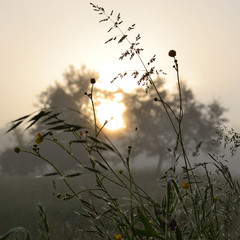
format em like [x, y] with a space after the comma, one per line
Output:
[43, 226]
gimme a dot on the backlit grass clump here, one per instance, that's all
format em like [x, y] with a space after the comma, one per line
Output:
[198, 201]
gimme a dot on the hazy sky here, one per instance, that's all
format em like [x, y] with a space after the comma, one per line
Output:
[40, 38]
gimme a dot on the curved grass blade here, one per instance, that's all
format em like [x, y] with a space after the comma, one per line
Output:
[37, 117]
[21, 118]
[73, 175]
[149, 231]
[77, 141]
[66, 127]
[14, 126]
[50, 174]
[15, 230]
[50, 117]
[108, 146]
[93, 170]
[94, 139]
[101, 165]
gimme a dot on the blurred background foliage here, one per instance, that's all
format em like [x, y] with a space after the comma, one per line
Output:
[147, 128]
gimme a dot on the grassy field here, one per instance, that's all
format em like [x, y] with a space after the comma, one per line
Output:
[20, 197]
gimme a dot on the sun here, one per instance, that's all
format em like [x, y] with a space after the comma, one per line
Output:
[112, 112]
[127, 84]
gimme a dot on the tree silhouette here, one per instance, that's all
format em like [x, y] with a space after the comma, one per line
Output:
[69, 100]
[69, 94]
[18, 164]
[150, 129]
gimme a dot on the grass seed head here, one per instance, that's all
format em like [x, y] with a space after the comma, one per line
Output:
[172, 53]
[93, 80]
[17, 150]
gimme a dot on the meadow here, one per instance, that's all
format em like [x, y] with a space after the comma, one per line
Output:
[98, 201]
[22, 195]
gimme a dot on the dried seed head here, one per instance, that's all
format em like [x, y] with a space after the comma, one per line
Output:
[172, 53]
[93, 80]
[58, 195]
[17, 150]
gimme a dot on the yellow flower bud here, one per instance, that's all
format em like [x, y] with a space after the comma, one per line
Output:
[185, 185]
[118, 237]
[38, 138]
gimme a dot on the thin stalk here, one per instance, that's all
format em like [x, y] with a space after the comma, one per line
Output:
[130, 183]
[58, 171]
[146, 69]
[102, 187]
[212, 195]
[180, 139]
[94, 112]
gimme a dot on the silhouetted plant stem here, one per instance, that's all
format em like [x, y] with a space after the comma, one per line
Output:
[180, 139]
[146, 70]
[94, 112]
[57, 170]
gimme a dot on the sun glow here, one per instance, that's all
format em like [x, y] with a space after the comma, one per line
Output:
[112, 113]
[128, 83]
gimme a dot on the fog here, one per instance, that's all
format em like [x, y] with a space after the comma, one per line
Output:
[49, 53]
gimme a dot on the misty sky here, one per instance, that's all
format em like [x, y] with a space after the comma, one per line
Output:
[39, 39]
